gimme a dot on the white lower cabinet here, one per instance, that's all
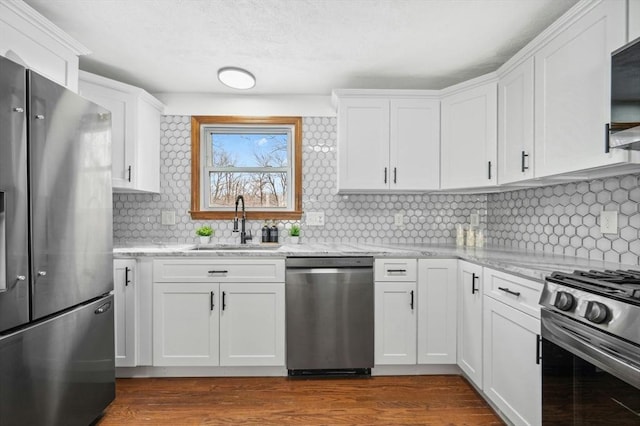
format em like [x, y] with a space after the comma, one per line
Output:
[512, 375]
[470, 321]
[185, 324]
[415, 311]
[126, 327]
[216, 316]
[395, 323]
[511, 346]
[437, 305]
[252, 324]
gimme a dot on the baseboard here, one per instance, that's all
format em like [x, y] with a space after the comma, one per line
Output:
[415, 370]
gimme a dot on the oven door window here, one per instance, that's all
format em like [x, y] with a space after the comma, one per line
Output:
[588, 376]
[575, 392]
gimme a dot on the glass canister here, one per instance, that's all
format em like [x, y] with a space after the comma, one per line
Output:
[480, 238]
[471, 237]
[459, 235]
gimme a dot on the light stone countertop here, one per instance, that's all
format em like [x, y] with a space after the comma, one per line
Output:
[532, 265]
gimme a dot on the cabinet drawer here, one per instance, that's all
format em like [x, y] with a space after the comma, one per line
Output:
[396, 269]
[218, 270]
[520, 293]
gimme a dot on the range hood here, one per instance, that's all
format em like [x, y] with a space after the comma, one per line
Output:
[624, 131]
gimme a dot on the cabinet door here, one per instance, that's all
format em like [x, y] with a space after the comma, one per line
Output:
[470, 321]
[252, 324]
[124, 288]
[634, 19]
[395, 323]
[28, 38]
[437, 311]
[147, 143]
[512, 372]
[185, 324]
[469, 138]
[414, 162]
[122, 131]
[515, 124]
[572, 93]
[363, 144]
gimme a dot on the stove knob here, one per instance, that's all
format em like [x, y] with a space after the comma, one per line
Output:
[564, 301]
[596, 312]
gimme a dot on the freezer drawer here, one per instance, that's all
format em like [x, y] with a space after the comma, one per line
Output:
[60, 371]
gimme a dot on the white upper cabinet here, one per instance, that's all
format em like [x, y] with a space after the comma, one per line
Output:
[363, 144]
[135, 116]
[387, 142]
[469, 136]
[634, 19]
[515, 124]
[414, 149]
[572, 92]
[26, 37]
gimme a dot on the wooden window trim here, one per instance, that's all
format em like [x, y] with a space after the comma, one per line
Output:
[198, 120]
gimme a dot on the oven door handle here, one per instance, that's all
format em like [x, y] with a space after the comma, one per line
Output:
[614, 356]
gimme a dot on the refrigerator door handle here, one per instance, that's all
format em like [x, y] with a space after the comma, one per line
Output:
[102, 308]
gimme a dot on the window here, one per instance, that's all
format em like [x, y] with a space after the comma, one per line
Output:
[259, 158]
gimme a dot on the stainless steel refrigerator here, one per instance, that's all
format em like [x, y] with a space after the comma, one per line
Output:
[57, 362]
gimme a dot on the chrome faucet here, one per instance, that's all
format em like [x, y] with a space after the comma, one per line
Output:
[243, 234]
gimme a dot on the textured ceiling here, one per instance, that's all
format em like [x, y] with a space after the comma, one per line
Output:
[299, 46]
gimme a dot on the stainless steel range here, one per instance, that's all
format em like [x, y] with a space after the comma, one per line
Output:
[591, 348]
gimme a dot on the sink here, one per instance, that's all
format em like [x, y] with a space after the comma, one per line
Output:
[225, 247]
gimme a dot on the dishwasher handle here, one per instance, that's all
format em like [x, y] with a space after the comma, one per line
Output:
[304, 263]
[334, 271]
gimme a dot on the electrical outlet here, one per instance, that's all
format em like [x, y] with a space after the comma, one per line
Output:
[609, 222]
[314, 218]
[168, 217]
[398, 220]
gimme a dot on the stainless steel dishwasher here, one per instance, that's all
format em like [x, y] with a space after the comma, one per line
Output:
[329, 315]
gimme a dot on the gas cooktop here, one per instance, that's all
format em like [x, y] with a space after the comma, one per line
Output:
[623, 285]
[608, 300]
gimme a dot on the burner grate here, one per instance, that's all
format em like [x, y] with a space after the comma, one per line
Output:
[619, 283]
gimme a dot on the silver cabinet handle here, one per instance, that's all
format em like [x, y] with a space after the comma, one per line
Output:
[21, 278]
[42, 273]
[39, 117]
[18, 109]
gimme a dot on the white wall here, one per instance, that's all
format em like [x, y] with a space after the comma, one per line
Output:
[241, 104]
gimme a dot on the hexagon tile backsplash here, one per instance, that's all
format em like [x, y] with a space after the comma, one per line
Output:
[556, 219]
[565, 219]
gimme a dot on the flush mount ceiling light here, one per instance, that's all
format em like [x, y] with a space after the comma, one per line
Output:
[236, 78]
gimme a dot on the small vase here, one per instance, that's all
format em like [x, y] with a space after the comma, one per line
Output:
[205, 240]
[295, 240]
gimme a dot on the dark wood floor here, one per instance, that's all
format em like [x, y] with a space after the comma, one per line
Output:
[403, 400]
